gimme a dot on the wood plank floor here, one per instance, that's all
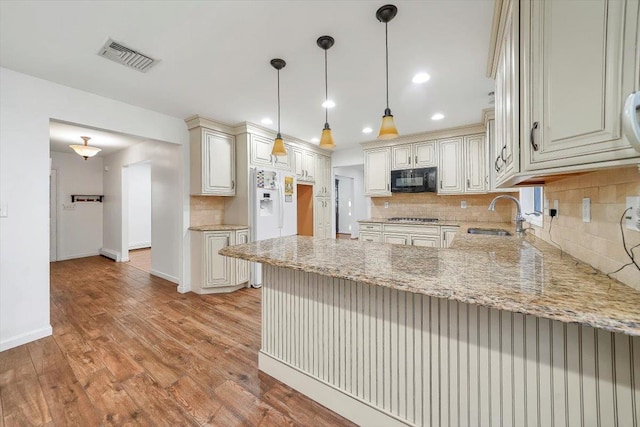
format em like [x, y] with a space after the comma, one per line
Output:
[141, 259]
[127, 349]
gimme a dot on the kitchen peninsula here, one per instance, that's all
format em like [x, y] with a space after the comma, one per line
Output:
[493, 330]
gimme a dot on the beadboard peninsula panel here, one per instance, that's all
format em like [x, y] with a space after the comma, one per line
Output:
[421, 360]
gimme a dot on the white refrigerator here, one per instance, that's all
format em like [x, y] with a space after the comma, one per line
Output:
[273, 210]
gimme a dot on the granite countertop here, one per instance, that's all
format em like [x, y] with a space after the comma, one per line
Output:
[447, 222]
[519, 274]
[218, 227]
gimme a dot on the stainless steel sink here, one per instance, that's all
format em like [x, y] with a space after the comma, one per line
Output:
[489, 231]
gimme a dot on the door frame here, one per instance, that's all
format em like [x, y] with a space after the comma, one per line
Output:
[53, 215]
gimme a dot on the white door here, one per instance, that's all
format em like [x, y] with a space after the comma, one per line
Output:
[345, 205]
[53, 215]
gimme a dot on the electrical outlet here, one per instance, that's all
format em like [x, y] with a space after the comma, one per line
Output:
[586, 209]
[68, 206]
[386, 205]
[463, 204]
[632, 216]
[556, 206]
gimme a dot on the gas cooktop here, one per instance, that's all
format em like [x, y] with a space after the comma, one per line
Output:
[413, 219]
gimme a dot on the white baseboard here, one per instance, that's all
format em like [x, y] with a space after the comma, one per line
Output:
[164, 276]
[139, 245]
[26, 338]
[84, 255]
[114, 255]
[325, 394]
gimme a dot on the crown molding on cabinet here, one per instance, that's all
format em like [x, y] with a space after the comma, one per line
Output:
[252, 128]
[488, 114]
[426, 136]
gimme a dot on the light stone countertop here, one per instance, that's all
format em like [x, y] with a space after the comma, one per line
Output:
[218, 227]
[519, 274]
[445, 222]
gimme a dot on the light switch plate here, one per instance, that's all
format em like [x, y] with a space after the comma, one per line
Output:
[586, 209]
[4, 209]
[463, 204]
[545, 207]
[632, 216]
[386, 205]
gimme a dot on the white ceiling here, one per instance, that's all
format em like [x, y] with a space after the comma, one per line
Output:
[61, 135]
[215, 58]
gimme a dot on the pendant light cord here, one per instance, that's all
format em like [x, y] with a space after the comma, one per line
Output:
[326, 89]
[386, 49]
[278, 102]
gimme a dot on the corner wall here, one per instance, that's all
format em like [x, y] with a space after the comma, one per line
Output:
[598, 242]
[26, 106]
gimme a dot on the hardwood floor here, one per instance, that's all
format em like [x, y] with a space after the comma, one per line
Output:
[127, 349]
[141, 259]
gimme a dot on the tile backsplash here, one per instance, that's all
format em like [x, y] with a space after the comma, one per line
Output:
[430, 205]
[207, 210]
[598, 242]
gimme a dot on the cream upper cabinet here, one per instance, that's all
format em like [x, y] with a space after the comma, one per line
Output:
[581, 60]
[377, 173]
[475, 164]
[507, 98]
[213, 162]
[304, 164]
[416, 155]
[260, 154]
[451, 166]
[322, 185]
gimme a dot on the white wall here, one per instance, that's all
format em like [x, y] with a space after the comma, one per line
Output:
[166, 207]
[26, 106]
[361, 208]
[345, 209]
[79, 225]
[139, 198]
[348, 157]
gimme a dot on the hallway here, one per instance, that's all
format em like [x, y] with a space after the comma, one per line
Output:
[127, 348]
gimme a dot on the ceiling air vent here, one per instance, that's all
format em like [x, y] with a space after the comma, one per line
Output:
[126, 56]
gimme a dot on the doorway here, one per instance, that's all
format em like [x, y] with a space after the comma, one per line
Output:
[138, 206]
[305, 209]
[344, 206]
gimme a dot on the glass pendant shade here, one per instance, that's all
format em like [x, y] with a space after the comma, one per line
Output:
[85, 150]
[388, 127]
[326, 140]
[278, 147]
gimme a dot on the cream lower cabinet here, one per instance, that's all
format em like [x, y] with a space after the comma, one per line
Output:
[213, 162]
[377, 172]
[322, 217]
[370, 236]
[214, 273]
[581, 62]
[447, 234]
[432, 236]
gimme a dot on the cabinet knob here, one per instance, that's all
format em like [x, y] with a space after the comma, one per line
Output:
[531, 136]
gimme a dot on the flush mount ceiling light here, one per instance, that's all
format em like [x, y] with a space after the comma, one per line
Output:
[367, 130]
[437, 116]
[326, 140]
[388, 128]
[278, 145]
[315, 139]
[85, 150]
[421, 78]
[266, 121]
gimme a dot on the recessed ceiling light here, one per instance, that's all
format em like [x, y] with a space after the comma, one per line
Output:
[420, 78]
[328, 104]
[315, 140]
[437, 116]
[266, 121]
[367, 130]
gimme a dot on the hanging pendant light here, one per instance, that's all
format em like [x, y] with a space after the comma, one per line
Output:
[326, 140]
[388, 128]
[85, 150]
[278, 145]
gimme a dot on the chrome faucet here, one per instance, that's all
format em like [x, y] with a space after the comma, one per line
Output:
[519, 218]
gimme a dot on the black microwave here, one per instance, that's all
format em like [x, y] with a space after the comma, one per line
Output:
[423, 180]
